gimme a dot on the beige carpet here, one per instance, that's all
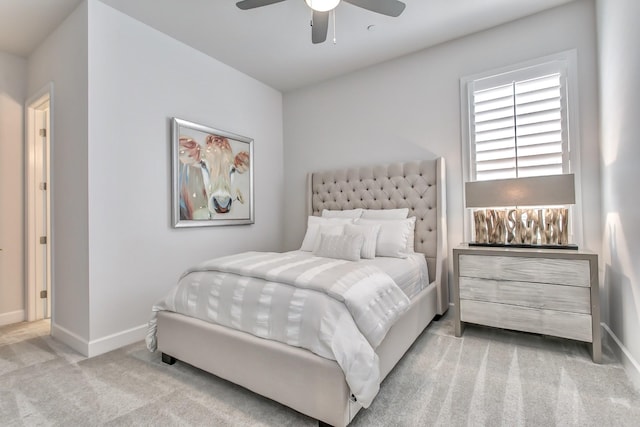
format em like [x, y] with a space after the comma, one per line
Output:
[487, 378]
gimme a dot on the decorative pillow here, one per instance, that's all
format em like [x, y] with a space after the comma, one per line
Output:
[328, 230]
[394, 235]
[385, 213]
[347, 213]
[313, 225]
[370, 235]
[344, 246]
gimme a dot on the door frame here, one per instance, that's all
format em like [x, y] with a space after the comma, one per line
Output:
[31, 244]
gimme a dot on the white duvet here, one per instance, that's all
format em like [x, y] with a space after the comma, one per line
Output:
[338, 309]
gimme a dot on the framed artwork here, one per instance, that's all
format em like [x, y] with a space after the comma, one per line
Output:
[212, 176]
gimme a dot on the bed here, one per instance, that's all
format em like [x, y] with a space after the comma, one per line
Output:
[296, 377]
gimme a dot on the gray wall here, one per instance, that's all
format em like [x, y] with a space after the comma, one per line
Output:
[12, 97]
[117, 83]
[409, 108]
[62, 59]
[619, 65]
[138, 79]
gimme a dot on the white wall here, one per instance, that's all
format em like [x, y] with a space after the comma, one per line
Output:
[409, 108]
[619, 65]
[62, 59]
[138, 79]
[12, 96]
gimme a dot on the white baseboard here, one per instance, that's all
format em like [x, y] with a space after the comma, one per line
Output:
[117, 340]
[630, 364]
[67, 337]
[11, 317]
[101, 345]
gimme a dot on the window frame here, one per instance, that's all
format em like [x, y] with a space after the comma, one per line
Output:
[566, 63]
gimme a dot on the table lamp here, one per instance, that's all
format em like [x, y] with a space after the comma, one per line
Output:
[522, 212]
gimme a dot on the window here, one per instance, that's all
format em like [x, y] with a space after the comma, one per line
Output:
[518, 129]
[522, 121]
[518, 123]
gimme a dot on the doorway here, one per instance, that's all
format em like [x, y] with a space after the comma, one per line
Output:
[38, 203]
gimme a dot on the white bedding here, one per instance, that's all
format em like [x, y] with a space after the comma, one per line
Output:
[337, 309]
[410, 274]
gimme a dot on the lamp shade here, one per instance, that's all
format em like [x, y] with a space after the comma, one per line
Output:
[531, 191]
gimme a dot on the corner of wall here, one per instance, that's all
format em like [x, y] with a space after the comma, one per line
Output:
[117, 340]
[630, 364]
[67, 337]
[99, 346]
[12, 317]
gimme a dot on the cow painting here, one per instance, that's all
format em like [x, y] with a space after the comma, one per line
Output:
[207, 169]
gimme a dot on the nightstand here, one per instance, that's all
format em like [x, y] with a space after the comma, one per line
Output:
[544, 291]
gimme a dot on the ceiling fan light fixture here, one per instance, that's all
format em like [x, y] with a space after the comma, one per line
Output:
[322, 5]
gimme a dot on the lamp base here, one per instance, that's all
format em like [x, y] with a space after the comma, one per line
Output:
[534, 227]
[524, 245]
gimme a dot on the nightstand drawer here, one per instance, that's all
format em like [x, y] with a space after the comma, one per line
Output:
[527, 294]
[548, 322]
[571, 272]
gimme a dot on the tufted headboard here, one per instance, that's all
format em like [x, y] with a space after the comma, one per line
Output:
[419, 186]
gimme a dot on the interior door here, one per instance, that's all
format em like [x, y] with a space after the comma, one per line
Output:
[42, 257]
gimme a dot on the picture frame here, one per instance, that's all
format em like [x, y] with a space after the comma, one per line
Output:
[212, 176]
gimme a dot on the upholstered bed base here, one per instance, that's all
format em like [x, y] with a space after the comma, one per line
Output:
[293, 376]
[297, 377]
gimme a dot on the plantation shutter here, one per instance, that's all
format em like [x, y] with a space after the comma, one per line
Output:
[518, 128]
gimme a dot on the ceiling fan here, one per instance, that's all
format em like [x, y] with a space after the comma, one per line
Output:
[322, 8]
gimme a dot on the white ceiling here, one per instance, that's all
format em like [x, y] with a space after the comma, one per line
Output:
[24, 24]
[273, 43]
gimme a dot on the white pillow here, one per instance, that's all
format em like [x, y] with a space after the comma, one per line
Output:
[370, 235]
[385, 213]
[313, 224]
[344, 246]
[411, 244]
[394, 235]
[347, 213]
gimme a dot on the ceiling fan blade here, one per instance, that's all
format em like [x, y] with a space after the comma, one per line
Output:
[319, 26]
[385, 7]
[252, 4]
